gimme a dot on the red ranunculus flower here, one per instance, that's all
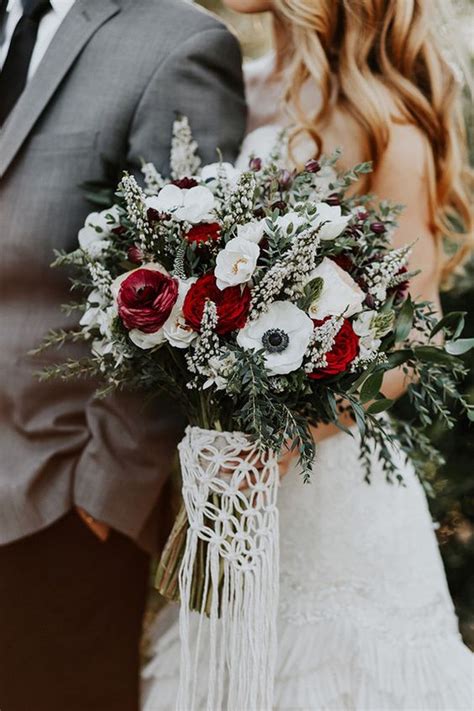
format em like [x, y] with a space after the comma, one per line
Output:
[205, 232]
[345, 349]
[232, 304]
[145, 299]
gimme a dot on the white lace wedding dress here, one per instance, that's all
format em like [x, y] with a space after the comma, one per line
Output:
[366, 621]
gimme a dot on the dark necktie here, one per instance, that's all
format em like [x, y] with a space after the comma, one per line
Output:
[15, 70]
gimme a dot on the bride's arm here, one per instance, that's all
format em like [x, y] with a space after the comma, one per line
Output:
[402, 177]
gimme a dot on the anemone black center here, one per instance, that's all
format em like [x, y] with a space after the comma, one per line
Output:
[275, 340]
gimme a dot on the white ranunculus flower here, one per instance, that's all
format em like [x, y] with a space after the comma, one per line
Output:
[117, 282]
[145, 341]
[193, 205]
[252, 231]
[175, 329]
[210, 173]
[331, 219]
[339, 294]
[290, 222]
[236, 263]
[284, 332]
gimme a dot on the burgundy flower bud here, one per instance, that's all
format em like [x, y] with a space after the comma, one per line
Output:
[334, 200]
[120, 230]
[312, 166]
[135, 254]
[259, 213]
[279, 205]
[153, 215]
[185, 183]
[378, 228]
[255, 164]
[285, 179]
[146, 298]
[369, 301]
[362, 215]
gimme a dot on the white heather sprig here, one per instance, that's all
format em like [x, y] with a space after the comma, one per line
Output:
[206, 346]
[381, 275]
[322, 343]
[288, 274]
[241, 202]
[184, 160]
[101, 278]
[361, 362]
[136, 208]
[154, 181]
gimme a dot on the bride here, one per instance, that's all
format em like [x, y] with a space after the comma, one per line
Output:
[365, 617]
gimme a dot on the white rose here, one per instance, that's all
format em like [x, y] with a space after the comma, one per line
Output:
[94, 237]
[193, 205]
[211, 173]
[252, 231]
[284, 332]
[331, 219]
[145, 341]
[339, 294]
[175, 329]
[290, 222]
[236, 263]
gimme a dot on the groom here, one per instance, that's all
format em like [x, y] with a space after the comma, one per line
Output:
[87, 88]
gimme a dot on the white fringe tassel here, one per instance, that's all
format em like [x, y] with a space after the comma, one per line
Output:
[242, 560]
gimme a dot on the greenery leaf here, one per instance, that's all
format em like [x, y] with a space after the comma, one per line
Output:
[431, 354]
[404, 321]
[459, 347]
[454, 322]
[380, 406]
[371, 387]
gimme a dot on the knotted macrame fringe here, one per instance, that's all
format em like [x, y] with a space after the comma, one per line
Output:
[236, 515]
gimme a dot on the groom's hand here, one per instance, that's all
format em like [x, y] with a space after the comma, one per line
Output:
[98, 528]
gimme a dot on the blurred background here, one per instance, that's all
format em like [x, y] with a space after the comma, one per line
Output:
[452, 505]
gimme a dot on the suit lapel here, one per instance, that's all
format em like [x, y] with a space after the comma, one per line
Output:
[84, 18]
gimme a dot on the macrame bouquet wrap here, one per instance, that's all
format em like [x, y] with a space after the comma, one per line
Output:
[231, 505]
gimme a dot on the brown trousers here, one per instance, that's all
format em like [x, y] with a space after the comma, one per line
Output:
[71, 612]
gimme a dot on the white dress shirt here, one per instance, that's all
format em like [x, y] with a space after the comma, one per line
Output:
[46, 31]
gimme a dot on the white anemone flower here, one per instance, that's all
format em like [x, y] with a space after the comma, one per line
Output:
[236, 263]
[332, 222]
[175, 329]
[339, 294]
[283, 332]
[194, 205]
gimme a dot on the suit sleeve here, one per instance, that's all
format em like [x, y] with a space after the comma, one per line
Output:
[200, 79]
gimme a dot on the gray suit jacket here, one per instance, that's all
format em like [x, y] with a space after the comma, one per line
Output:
[104, 95]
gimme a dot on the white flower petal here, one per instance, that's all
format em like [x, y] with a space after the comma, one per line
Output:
[145, 341]
[236, 263]
[287, 317]
[340, 293]
[169, 199]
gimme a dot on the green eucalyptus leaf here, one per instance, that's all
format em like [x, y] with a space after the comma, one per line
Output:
[453, 321]
[371, 387]
[404, 321]
[459, 347]
[380, 406]
[431, 354]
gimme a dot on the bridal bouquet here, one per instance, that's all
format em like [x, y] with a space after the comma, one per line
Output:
[264, 301]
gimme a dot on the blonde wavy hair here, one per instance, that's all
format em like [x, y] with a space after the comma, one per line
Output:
[357, 49]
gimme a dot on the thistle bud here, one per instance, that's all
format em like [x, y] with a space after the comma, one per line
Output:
[312, 166]
[378, 228]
